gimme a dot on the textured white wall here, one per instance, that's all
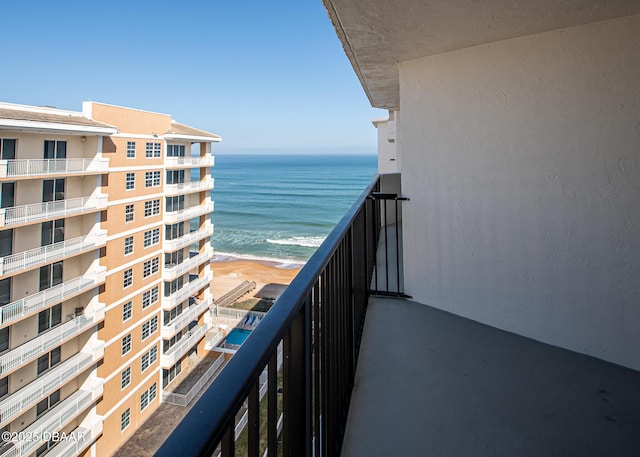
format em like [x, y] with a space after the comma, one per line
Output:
[521, 159]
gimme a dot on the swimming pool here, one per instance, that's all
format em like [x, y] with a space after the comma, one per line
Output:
[237, 336]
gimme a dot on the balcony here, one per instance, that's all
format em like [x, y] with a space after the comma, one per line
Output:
[36, 302]
[37, 168]
[189, 187]
[189, 238]
[19, 401]
[82, 439]
[188, 315]
[182, 347]
[408, 380]
[53, 421]
[188, 264]
[190, 162]
[40, 212]
[33, 258]
[28, 351]
[173, 217]
[189, 289]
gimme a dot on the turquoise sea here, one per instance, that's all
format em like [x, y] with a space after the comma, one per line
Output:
[282, 207]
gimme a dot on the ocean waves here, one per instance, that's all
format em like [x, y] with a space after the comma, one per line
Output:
[304, 241]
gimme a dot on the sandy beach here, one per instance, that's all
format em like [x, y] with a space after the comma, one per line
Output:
[270, 276]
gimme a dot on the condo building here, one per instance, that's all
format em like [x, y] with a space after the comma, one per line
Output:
[105, 227]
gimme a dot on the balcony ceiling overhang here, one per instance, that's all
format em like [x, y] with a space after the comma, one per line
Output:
[378, 34]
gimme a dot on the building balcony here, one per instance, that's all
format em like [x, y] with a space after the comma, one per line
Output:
[19, 401]
[190, 187]
[188, 290]
[54, 421]
[38, 168]
[189, 162]
[179, 349]
[50, 339]
[188, 315]
[172, 272]
[409, 379]
[189, 238]
[36, 302]
[33, 258]
[173, 217]
[40, 212]
[83, 437]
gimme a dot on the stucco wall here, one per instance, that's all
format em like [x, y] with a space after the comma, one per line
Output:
[521, 159]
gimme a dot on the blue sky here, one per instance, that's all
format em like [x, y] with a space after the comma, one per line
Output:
[266, 75]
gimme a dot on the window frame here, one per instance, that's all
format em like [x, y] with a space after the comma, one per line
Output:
[128, 245]
[126, 344]
[131, 150]
[125, 378]
[127, 278]
[130, 181]
[127, 310]
[128, 213]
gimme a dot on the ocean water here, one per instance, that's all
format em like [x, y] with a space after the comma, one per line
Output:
[282, 207]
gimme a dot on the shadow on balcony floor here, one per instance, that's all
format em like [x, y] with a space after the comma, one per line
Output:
[430, 383]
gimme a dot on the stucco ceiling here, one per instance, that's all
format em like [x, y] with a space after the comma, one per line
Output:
[377, 34]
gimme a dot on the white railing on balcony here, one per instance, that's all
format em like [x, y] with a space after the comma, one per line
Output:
[45, 167]
[79, 439]
[38, 212]
[173, 217]
[48, 340]
[189, 161]
[212, 339]
[189, 238]
[188, 315]
[51, 422]
[189, 187]
[49, 297]
[182, 347]
[172, 272]
[50, 253]
[187, 290]
[29, 395]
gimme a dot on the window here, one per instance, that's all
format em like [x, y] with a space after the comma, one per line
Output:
[51, 232]
[127, 309]
[7, 194]
[8, 149]
[131, 149]
[4, 339]
[170, 374]
[49, 318]
[55, 149]
[173, 286]
[151, 237]
[175, 150]
[149, 327]
[127, 278]
[153, 150]
[150, 267]
[53, 190]
[149, 358]
[130, 181]
[174, 203]
[126, 344]
[128, 245]
[48, 403]
[5, 291]
[175, 177]
[125, 419]
[173, 259]
[50, 275]
[125, 378]
[128, 213]
[151, 179]
[149, 297]
[6, 242]
[174, 231]
[151, 208]
[47, 361]
[4, 386]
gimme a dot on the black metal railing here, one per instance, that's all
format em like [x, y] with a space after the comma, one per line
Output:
[318, 320]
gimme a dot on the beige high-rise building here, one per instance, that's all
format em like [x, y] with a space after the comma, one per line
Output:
[105, 226]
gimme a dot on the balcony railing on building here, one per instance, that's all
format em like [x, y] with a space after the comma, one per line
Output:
[33, 303]
[81, 439]
[179, 349]
[50, 339]
[189, 238]
[180, 215]
[187, 316]
[34, 168]
[189, 161]
[39, 212]
[189, 289]
[189, 187]
[55, 420]
[47, 254]
[318, 320]
[171, 272]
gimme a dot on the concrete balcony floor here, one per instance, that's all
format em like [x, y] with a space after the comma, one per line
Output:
[430, 383]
